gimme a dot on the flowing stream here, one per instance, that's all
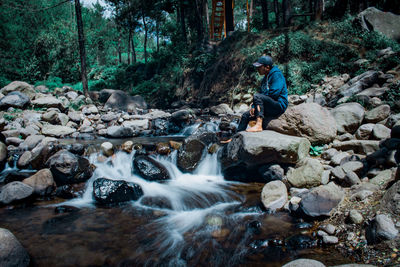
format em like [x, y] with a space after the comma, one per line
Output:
[194, 219]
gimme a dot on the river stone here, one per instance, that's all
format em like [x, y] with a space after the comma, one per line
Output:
[42, 182]
[377, 114]
[127, 146]
[51, 117]
[252, 149]
[163, 149]
[364, 131]
[109, 117]
[329, 154]
[14, 141]
[57, 130]
[383, 178]
[63, 119]
[353, 166]
[381, 228]
[381, 132]
[15, 100]
[354, 265]
[107, 149]
[274, 195]
[329, 228]
[272, 172]
[91, 109]
[153, 115]
[221, 109]
[351, 178]
[120, 131]
[75, 116]
[336, 159]
[120, 100]
[12, 253]
[15, 191]
[307, 174]
[391, 199]
[41, 153]
[68, 168]
[355, 217]
[364, 147]
[24, 160]
[106, 191]
[373, 19]
[18, 86]
[304, 263]
[308, 120]
[373, 92]
[150, 169]
[31, 141]
[181, 116]
[139, 125]
[348, 117]
[327, 239]
[48, 102]
[321, 200]
[71, 95]
[190, 154]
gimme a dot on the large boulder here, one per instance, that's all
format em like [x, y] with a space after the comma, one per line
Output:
[249, 150]
[119, 100]
[348, 117]
[274, 195]
[391, 199]
[304, 263]
[15, 191]
[221, 109]
[12, 253]
[190, 154]
[106, 191]
[15, 100]
[3, 155]
[48, 102]
[120, 132]
[307, 174]
[381, 228]
[321, 200]
[42, 182]
[57, 130]
[308, 120]
[377, 114]
[18, 86]
[356, 85]
[364, 147]
[150, 169]
[68, 168]
[373, 19]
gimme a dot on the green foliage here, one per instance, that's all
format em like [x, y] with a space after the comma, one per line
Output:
[316, 150]
[51, 83]
[9, 117]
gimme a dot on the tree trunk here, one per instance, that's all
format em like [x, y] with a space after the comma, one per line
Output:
[286, 11]
[340, 8]
[145, 37]
[264, 8]
[276, 11]
[319, 9]
[82, 51]
[119, 50]
[199, 8]
[207, 19]
[157, 37]
[133, 49]
[182, 18]
[229, 26]
[129, 46]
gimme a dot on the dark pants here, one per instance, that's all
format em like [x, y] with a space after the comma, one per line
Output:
[269, 109]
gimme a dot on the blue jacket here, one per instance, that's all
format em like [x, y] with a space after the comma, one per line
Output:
[274, 86]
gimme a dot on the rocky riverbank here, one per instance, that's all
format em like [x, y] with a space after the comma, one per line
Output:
[349, 187]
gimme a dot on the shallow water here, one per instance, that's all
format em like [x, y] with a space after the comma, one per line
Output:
[196, 219]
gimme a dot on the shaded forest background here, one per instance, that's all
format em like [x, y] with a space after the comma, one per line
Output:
[161, 49]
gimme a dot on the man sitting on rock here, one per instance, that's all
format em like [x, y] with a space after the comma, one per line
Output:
[272, 100]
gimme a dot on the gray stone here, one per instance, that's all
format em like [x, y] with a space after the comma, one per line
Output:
[51, 117]
[24, 160]
[15, 100]
[321, 233]
[321, 200]
[363, 147]
[355, 217]
[274, 195]
[12, 253]
[391, 199]
[107, 149]
[383, 178]
[75, 116]
[31, 141]
[63, 119]
[325, 176]
[329, 228]
[327, 239]
[372, 19]
[303, 263]
[139, 125]
[329, 154]
[153, 115]
[364, 131]
[71, 95]
[109, 117]
[14, 141]
[377, 114]
[15, 191]
[381, 132]
[42, 182]
[385, 228]
[335, 160]
[57, 130]
[120, 100]
[18, 86]
[353, 166]
[351, 178]
[120, 131]
[348, 117]
[338, 172]
[373, 91]
[221, 109]
[392, 120]
[307, 174]
[48, 102]
[308, 120]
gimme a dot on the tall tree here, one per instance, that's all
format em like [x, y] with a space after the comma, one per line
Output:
[82, 50]
[229, 26]
[286, 11]
[319, 9]
[277, 13]
[265, 13]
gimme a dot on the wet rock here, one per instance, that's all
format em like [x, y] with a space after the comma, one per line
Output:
[301, 242]
[175, 145]
[380, 228]
[391, 199]
[363, 147]
[42, 182]
[213, 148]
[71, 191]
[274, 195]
[156, 202]
[307, 174]
[77, 148]
[380, 132]
[15, 191]
[31, 141]
[120, 131]
[12, 253]
[190, 154]
[181, 116]
[163, 149]
[15, 100]
[377, 114]
[308, 120]
[106, 191]
[57, 130]
[107, 149]
[272, 172]
[68, 168]
[251, 149]
[348, 117]
[327, 239]
[321, 200]
[150, 169]
[355, 217]
[127, 146]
